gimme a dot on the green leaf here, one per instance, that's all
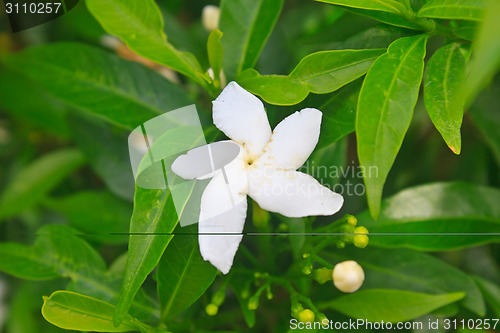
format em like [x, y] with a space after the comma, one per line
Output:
[111, 161]
[246, 25]
[410, 270]
[121, 92]
[435, 212]
[153, 221]
[388, 18]
[108, 218]
[183, 275]
[320, 73]
[326, 71]
[454, 9]
[22, 262]
[140, 25]
[274, 89]
[388, 305]
[385, 108]
[37, 179]
[491, 292]
[442, 96]
[486, 55]
[72, 311]
[390, 6]
[339, 114]
[215, 52]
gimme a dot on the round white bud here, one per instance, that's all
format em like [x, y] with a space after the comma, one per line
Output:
[210, 17]
[348, 276]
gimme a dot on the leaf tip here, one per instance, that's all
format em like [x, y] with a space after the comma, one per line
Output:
[455, 150]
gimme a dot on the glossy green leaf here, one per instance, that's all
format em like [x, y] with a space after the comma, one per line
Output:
[119, 91]
[246, 25]
[454, 9]
[437, 217]
[442, 96]
[37, 179]
[385, 108]
[410, 270]
[215, 52]
[390, 6]
[274, 89]
[320, 73]
[111, 161]
[140, 25]
[326, 71]
[72, 311]
[153, 221]
[376, 37]
[389, 305]
[183, 275]
[485, 60]
[107, 221]
[491, 293]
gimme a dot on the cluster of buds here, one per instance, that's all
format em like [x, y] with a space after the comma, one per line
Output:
[353, 234]
[217, 300]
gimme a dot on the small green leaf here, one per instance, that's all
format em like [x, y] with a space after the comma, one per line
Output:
[385, 108]
[246, 25]
[443, 79]
[390, 6]
[427, 217]
[108, 218]
[320, 72]
[454, 9]
[183, 275]
[119, 91]
[485, 61]
[215, 52]
[388, 305]
[326, 71]
[387, 17]
[72, 311]
[140, 25]
[488, 122]
[37, 179]
[410, 270]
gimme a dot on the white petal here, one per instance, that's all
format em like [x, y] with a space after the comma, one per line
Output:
[205, 161]
[291, 193]
[293, 140]
[223, 210]
[241, 116]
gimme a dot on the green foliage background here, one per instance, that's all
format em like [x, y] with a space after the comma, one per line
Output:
[406, 86]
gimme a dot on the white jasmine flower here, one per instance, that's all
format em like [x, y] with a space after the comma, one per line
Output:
[210, 17]
[264, 169]
[348, 276]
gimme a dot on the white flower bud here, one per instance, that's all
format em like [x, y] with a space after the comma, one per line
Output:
[348, 276]
[210, 17]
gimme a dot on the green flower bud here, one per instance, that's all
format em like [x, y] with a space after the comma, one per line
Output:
[211, 309]
[253, 302]
[269, 293]
[347, 229]
[306, 316]
[360, 241]
[322, 275]
[351, 220]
